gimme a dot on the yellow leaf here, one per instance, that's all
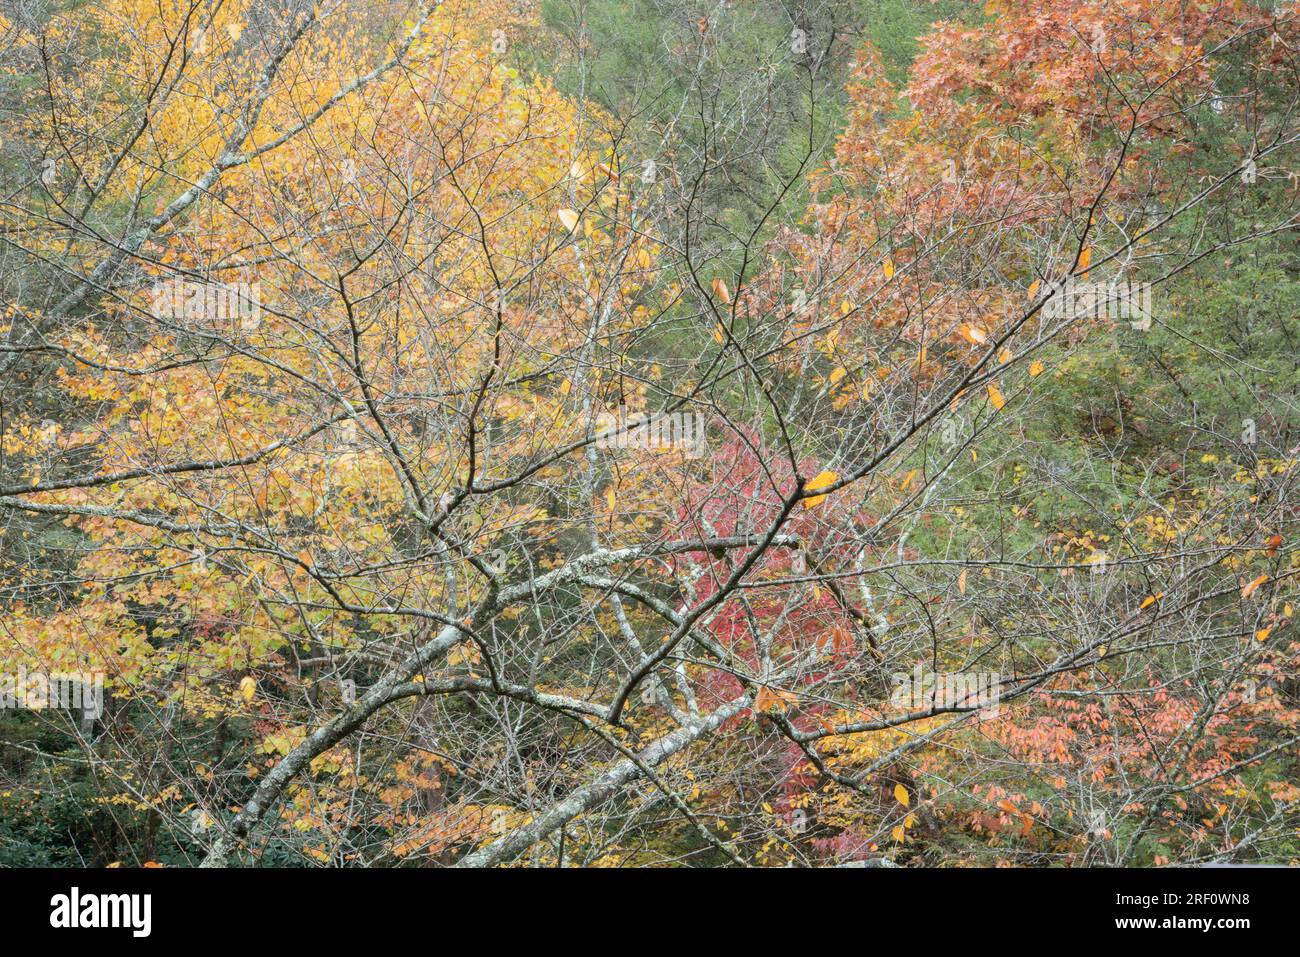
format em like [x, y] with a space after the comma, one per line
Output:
[821, 481]
[610, 497]
[898, 833]
[1149, 601]
[961, 582]
[247, 687]
[901, 795]
[569, 218]
[1250, 588]
[1262, 634]
[1085, 260]
[889, 269]
[465, 652]
[838, 374]
[995, 396]
[1035, 369]
[576, 171]
[721, 291]
[1034, 287]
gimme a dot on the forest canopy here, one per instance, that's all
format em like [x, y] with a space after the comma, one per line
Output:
[628, 433]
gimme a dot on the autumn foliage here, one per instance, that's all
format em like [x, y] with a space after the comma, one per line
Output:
[368, 587]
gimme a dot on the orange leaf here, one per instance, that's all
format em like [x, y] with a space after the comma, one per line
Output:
[1250, 588]
[821, 481]
[721, 291]
[768, 701]
[995, 396]
[1036, 369]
